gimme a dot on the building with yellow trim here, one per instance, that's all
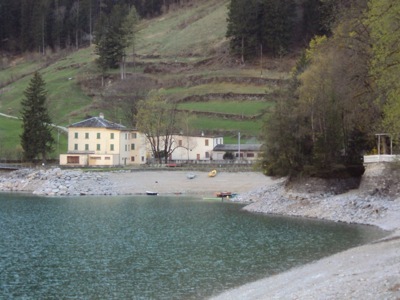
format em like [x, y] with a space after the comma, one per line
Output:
[99, 142]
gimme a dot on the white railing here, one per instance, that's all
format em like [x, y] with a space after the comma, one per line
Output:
[380, 158]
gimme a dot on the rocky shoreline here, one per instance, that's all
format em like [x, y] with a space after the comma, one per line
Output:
[351, 207]
[57, 182]
[376, 201]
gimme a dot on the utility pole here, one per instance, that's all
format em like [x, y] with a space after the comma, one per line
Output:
[239, 145]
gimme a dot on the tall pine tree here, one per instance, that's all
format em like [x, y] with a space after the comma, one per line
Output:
[36, 138]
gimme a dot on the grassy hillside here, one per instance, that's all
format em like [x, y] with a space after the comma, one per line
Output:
[194, 32]
[182, 55]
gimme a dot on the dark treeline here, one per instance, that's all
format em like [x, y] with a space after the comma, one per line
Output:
[36, 25]
[271, 26]
[277, 26]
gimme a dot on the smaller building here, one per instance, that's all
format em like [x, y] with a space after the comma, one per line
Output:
[99, 142]
[250, 152]
[194, 148]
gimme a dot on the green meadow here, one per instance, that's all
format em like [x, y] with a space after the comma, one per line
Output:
[237, 108]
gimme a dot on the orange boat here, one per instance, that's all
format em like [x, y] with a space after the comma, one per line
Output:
[212, 173]
[223, 194]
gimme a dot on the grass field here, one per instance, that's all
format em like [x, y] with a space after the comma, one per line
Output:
[249, 128]
[64, 94]
[182, 92]
[10, 131]
[184, 33]
[243, 108]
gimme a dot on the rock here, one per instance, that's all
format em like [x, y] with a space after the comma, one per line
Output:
[56, 182]
[354, 206]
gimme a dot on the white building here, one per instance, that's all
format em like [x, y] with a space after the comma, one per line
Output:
[194, 148]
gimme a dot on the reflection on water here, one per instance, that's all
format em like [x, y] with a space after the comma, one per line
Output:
[151, 247]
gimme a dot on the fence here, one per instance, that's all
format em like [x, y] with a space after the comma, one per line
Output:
[380, 158]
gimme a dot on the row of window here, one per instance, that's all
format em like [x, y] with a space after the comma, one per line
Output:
[206, 143]
[75, 159]
[98, 135]
[98, 147]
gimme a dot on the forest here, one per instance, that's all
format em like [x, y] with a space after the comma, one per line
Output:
[27, 25]
[344, 90]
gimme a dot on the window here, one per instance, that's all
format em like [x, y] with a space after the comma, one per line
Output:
[98, 135]
[207, 155]
[206, 142]
[132, 146]
[126, 136]
[107, 158]
[180, 143]
[112, 147]
[112, 135]
[86, 147]
[142, 158]
[126, 147]
[86, 135]
[76, 135]
[250, 155]
[132, 158]
[134, 135]
[98, 147]
[72, 159]
[76, 147]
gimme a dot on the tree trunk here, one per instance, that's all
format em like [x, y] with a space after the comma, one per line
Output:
[242, 50]
[43, 46]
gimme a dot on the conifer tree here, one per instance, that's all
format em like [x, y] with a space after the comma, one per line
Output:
[36, 138]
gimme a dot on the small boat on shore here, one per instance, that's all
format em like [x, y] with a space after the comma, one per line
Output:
[150, 193]
[223, 194]
[190, 175]
[212, 173]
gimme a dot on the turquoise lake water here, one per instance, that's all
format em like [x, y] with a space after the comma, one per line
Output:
[132, 247]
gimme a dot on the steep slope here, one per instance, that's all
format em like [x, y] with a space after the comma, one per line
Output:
[182, 55]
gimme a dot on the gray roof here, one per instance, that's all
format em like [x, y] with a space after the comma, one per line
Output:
[235, 147]
[98, 122]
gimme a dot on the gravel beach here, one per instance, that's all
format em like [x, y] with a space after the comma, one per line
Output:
[370, 271]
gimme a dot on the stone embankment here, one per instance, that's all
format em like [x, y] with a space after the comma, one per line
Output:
[57, 182]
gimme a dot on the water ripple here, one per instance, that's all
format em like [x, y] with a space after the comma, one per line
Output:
[150, 247]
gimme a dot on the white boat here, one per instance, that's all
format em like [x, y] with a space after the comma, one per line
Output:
[150, 193]
[190, 175]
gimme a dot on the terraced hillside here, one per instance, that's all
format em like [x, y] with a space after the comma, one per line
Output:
[182, 56]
